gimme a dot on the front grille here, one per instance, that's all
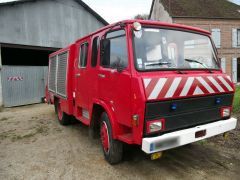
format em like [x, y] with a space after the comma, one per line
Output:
[190, 112]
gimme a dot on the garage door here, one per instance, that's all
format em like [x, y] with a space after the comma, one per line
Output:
[23, 84]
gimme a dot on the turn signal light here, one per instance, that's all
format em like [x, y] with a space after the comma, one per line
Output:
[226, 112]
[155, 126]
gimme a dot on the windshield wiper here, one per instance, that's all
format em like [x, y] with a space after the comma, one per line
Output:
[158, 63]
[195, 61]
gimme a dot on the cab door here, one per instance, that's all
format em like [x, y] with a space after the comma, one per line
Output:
[82, 83]
[115, 85]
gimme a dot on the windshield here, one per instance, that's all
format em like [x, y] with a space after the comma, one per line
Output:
[172, 49]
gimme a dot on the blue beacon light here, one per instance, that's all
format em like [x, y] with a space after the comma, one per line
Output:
[173, 106]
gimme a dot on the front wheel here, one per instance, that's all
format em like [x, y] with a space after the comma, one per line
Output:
[112, 149]
[63, 118]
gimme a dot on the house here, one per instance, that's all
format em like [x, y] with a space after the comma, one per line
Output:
[220, 17]
[29, 31]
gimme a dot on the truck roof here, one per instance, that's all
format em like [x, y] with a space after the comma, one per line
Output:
[150, 22]
[145, 22]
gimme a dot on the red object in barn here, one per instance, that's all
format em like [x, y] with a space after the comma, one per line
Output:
[148, 83]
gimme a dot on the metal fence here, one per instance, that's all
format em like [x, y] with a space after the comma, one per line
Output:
[23, 84]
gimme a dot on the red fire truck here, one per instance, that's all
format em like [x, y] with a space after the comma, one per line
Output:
[148, 83]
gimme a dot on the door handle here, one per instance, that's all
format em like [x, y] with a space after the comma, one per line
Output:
[78, 75]
[101, 75]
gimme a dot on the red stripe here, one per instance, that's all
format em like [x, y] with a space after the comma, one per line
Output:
[151, 86]
[196, 84]
[165, 88]
[228, 81]
[211, 85]
[221, 84]
[180, 87]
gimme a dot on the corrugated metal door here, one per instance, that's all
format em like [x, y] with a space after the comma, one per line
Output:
[23, 84]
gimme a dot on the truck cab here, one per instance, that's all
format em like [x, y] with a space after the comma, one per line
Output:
[153, 84]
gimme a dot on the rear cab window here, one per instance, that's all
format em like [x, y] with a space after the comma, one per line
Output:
[83, 55]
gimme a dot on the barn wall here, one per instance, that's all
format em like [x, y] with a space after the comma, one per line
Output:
[46, 23]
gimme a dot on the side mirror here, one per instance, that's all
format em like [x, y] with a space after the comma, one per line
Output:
[105, 52]
[120, 68]
[219, 62]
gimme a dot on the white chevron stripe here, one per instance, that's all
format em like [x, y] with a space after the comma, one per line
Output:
[229, 78]
[146, 82]
[187, 86]
[157, 89]
[225, 83]
[198, 91]
[173, 87]
[205, 84]
[215, 83]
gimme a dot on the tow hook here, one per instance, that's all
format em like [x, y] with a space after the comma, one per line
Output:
[156, 155]
[225, 135]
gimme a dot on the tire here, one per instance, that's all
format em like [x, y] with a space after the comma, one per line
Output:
[63, 118]
[112, 149]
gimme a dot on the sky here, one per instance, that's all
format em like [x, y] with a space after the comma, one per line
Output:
[116, 10]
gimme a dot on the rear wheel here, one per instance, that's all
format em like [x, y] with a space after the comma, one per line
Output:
[63, 118]
[112, 149]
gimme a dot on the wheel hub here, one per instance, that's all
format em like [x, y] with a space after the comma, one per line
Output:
[105, 137]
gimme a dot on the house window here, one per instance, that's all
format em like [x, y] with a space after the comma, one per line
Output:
[238, 37]
[216, 36]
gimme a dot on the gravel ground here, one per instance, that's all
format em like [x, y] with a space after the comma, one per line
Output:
[34, 146]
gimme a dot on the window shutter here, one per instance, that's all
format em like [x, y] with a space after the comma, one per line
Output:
[234, 70]
[234, 38]
[216, 36]
[223, 64]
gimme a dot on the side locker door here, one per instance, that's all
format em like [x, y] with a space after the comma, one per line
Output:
[81, 80]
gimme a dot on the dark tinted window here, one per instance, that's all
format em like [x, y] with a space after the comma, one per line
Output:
[83, 55]
[95, 45]
[118, 49]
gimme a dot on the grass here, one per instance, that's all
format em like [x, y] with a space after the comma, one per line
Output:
[236, 102]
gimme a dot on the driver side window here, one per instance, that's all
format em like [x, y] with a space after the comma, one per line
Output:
[118, 50]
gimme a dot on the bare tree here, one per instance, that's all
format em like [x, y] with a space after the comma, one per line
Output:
[141, 16]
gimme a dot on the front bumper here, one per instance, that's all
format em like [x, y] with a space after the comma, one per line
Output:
[186, 136]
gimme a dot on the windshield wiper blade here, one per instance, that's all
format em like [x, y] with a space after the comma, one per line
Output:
[158, 63]
[195, 61]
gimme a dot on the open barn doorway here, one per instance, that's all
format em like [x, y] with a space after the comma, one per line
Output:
[24, 72]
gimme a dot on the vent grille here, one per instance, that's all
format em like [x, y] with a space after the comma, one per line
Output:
[52, 73]
[58, 74]
[61, 73]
